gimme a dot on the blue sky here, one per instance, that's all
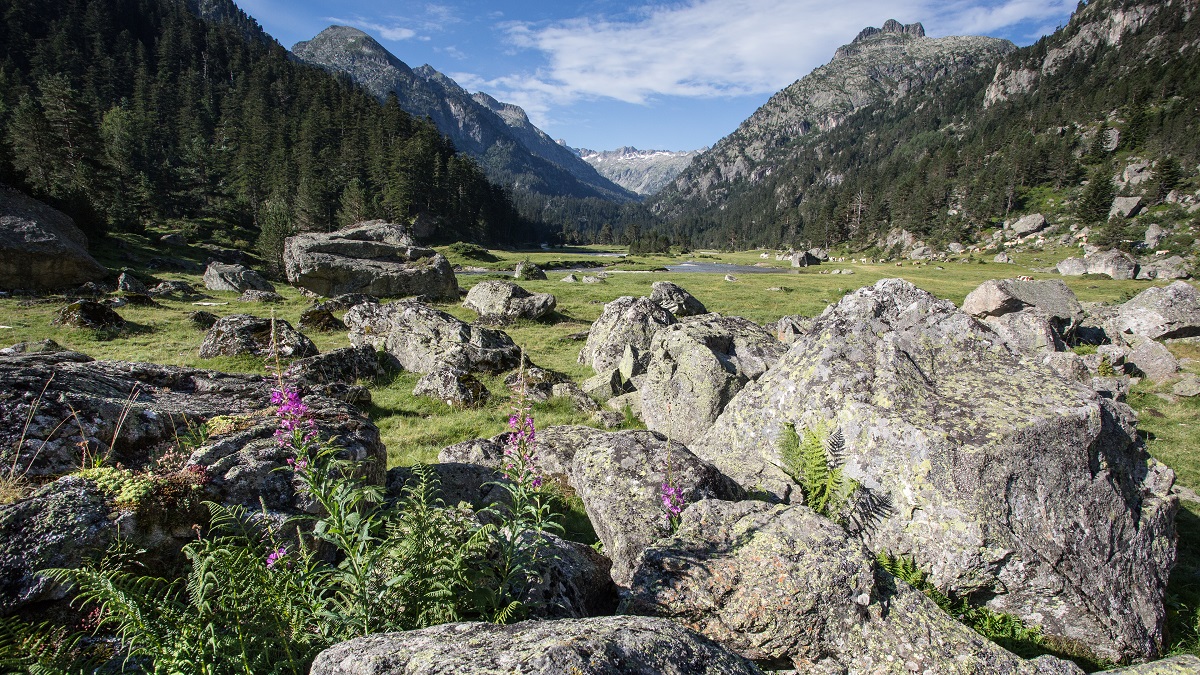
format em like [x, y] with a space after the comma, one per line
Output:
[655, 75]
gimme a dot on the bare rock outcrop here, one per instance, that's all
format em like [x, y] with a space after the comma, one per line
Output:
[423, 339]
[40, 247]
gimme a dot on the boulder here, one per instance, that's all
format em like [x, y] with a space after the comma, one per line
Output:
[40, 247]
[590, 279]
[984, 455]
[458, 482]
[374, 257]
[790, 328]
[345, 301]
[505, 301]
[1114, 263]
[570, 279]
[127, 283]
[1125, 207]
[1069, 366]
[1027, 331]
[238, 334]
[1072, 267]
[1184, 664]
[573, 582]
[46, 346]
[781, 585]
[423, 339]
[956, 248]
[169, 288]
[818, 253]
[1154, 360]
[89, 314]
[625, 322]
[676, 300]
[1161, 313]
[527, 271]
[260, 296]
[202, 320]
[1174, 267]
[456, 388]
[237, 278]
[594, 646]
[1002, 257]
[1034, 222]
[802, 259]
[1051, 298]
[1188, 387]
[173, 239]
[1154, 235]
[697, 366]
[60, 525]
[320, 320]
[348, 365]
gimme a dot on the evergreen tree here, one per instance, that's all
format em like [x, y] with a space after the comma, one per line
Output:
[1097, 197]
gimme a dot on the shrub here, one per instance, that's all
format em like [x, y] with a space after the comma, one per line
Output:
[472, 251]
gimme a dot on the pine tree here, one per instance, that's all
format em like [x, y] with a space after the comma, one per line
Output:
[1097, 198]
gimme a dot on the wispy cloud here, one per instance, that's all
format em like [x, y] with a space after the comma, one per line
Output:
[720, 48]
[395, 32]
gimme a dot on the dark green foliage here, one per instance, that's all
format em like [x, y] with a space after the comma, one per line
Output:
[124, 112]
[472, 251]
[1097, 196]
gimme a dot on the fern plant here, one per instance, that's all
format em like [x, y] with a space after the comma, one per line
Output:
[813, 459]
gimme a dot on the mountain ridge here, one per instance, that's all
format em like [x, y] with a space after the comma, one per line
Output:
[644, 172]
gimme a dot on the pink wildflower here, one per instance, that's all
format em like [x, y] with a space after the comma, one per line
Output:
[275, 556]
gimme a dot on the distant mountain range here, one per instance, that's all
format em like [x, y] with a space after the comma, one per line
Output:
[500, 136]
[644, 172]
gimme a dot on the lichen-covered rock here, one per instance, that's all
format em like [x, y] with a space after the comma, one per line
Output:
[1049, 298]
[127, 283]
[1114, 263]
[697, 366]
[1072, 267]
[625, 322]
[256, 336]
[1161, 313]
[676, 300]
[347, 365]
[1154, 360]
[456, 388]
[89, 314]
[60, 525]
[253, 295]
[573, 582]
[1003, 477]
[345, 301]
[596, 646]
[1027, 331]
[219, 276]
[473, 483]
[374, 257]
[527, 271]
[506, 301]
[1184, 664]
[321, 320]
[168, 288]
[1034, 222]
[779, 584]
[203, 320]
[423, 339]
[40, 247]
[1174, 267]
[790, 328]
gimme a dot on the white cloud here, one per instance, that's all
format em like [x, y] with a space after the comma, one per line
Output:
[720, 48]
[394, 32]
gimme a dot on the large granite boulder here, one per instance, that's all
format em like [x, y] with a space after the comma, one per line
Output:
[625, 322]
[219, 276]
[1027, 331]
[697, 366]
[1034, 222]
[423, 339]
[89, 314]
[596, 646]
[347, 365]
[375, 257]
[40, 247]
[1072, 267]
[781, 585]
[676, 300]
[1161, 313]
[1154, 360]
[133, 414]
[1004, 479]
[1174, 267]
[1050, 298]
[1114, 263]
[456, 388]
[790, 328]
[527, 271]
[505, 301]
[238, 334]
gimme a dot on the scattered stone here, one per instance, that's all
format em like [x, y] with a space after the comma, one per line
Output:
[46, 346]
[676, 300]
[260, 296]
[348, 365]
[1051, 298]
[1189, 386]
[423, 339]
[237, 278]
[202, 319]
[697, 366]
[1027, 331]
[40, 247]
[1072, 267]
[570, 279]
[1125, 207]
[527, 271]
[1069, 366]
[374, 257]
[173, 239]
[730, 278]
[790, 328]
[90, 315]
[1002, 257]
[127, 283]
[345, 301]
[956, 248]
[939, 418]
[238, 334]
[180, 288]
[594, 646]
[1174, 267]
[803, 259]
[1114, 263]
[1154, 235]
[1154, 360]
[625, 322]
[321, 320]
[505, 301]
[1034, 222]
[456, 388]
[1161, 313]
[588, 279]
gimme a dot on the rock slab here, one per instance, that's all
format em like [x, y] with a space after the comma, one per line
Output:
[40, 247]
[423, 339]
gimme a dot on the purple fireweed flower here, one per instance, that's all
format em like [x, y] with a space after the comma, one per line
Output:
[672, 499]
[275, 556]
[295, 418]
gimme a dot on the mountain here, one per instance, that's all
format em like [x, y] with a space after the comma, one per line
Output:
[1106, 104]
[184, 113]
[644, 172]
[499, 135]
[880, 66]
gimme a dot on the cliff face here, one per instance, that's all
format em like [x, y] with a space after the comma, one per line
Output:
[644, 172]
[880, 65]
[510, 148]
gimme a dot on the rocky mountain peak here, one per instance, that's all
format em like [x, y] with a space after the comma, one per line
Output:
[343, 47]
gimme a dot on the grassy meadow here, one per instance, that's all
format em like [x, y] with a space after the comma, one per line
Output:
[416, 428]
